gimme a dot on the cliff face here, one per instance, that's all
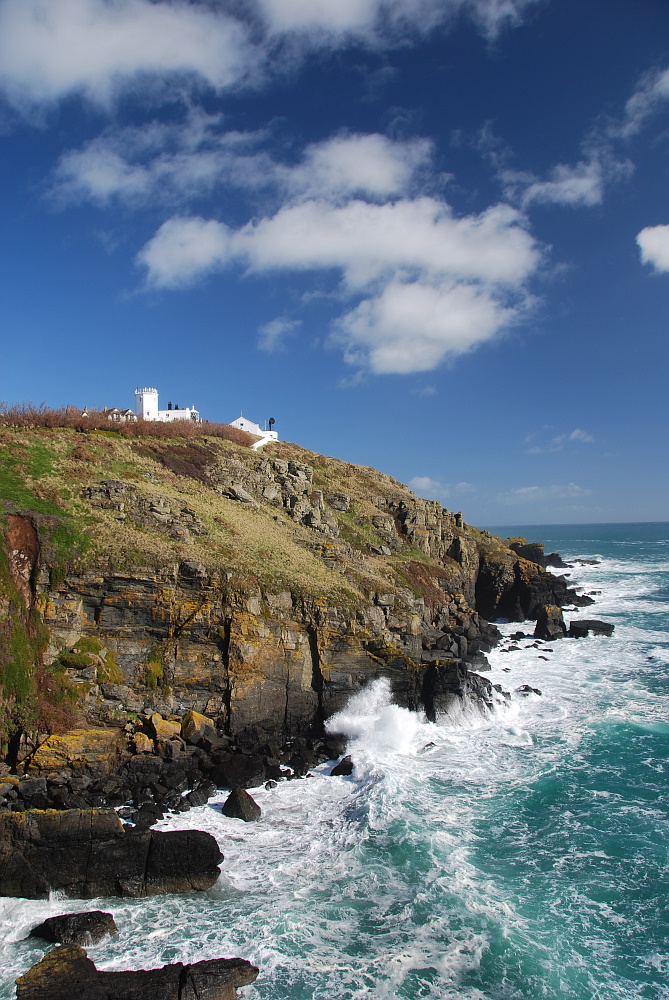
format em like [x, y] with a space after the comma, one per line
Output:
[259, 590]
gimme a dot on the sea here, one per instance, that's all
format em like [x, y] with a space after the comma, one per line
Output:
[517, 854]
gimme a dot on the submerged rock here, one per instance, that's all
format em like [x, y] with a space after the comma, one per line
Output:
[76, 928]
[240, 805]
[88, 852]
[67, 972]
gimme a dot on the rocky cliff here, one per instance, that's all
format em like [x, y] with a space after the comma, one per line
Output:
[261, 590]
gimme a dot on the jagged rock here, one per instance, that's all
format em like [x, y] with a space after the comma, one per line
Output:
[550, 623]
[579, 630]
[240, 805]
[67, 972]
[76, 928]
[87, 853]
[343, 768]
[534, 551]
[555, 559]
[449, 684]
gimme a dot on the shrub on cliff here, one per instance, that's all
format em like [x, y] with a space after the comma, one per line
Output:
[25, 415]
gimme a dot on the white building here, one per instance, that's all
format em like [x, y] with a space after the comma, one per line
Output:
[266, 435]
[146, 407]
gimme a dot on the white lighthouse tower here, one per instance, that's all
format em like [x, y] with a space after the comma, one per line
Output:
[146, 403]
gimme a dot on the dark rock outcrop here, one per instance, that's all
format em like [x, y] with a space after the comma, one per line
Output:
[67, 972]
[343, 768]
[550, 623]
[555, 560]
[239, 771]
[449, 685]
[579, 630]
[88, 853]
[533, 551]
[76, 928]
[240, 805]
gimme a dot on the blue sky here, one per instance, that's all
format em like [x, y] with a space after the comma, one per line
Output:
[430, 236]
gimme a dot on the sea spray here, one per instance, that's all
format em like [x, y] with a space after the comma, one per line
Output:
[373, 723]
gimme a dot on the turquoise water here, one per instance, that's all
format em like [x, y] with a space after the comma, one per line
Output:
[519, 855]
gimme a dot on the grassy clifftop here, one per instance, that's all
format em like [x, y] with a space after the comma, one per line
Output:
[175, 500]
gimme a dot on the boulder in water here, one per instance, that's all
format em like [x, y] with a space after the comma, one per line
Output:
[343, 768]
[240, 805]
[88, 852]
[76, 928]
[579, 630]
[550, 623]
[67, 972]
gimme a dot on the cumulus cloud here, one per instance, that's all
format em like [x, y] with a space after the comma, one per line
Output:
[653, 243]
[52, 48]
[430, 285]
[413, 327]
[185, 161]
[184, 250]
[532, 494]
[273, 335]
[435, 489]
[367, 241]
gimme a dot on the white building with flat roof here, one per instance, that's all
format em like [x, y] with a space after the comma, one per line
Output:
[266, 435]
[146, 407]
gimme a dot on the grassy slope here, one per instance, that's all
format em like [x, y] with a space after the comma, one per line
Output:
[44, 470]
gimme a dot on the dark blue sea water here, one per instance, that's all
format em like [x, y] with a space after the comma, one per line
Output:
[521, 855]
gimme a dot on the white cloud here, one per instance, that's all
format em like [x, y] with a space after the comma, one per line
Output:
[414, 327]
[52, 48]
[184, 250]
[382, 21]
[433, 286]
[541, 444]
[533, 494]
[272, 336]
[582, 184]
[372, 165]
[434, 489]
[649, 96]
[580, 435]
[653, 242]
[169, 163]
[367, 242]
